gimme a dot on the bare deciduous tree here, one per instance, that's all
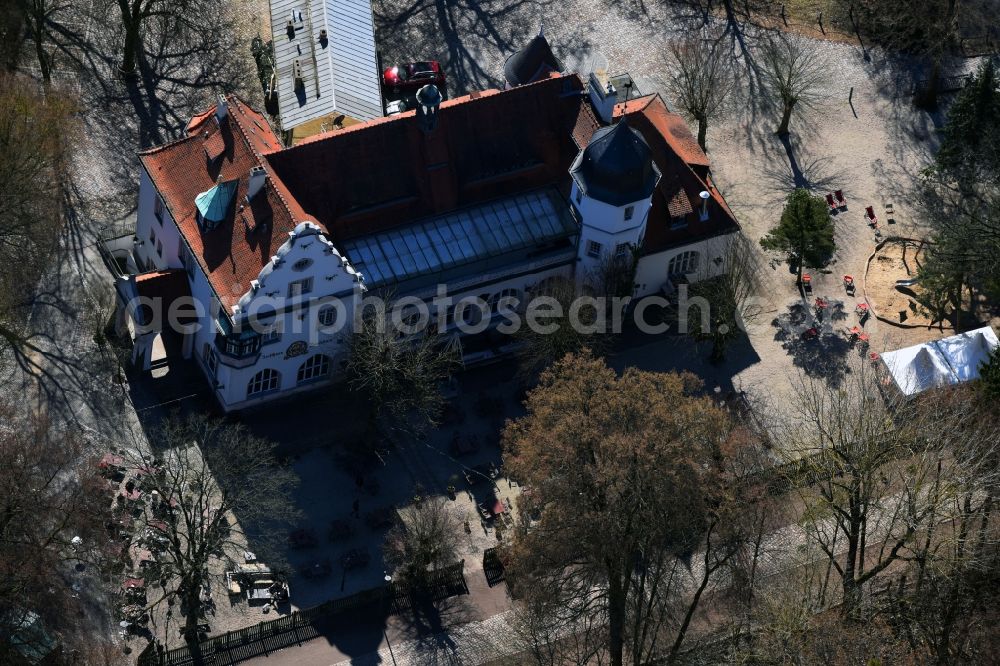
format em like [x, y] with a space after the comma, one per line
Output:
[701, 81]
[215, 490]
[50, 493]
[568, 323]
[642, 503]
[399, 374]
[424, 540]
[882, 472]
[732, 296]
[793, 73]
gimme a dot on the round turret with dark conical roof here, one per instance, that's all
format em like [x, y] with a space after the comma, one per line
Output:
[616, 167]
[531, 63]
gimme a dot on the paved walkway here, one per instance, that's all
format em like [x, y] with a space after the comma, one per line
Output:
[459, 629]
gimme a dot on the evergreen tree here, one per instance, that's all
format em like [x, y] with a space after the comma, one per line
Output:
[805, 232]
[970, 140]
[989, 378]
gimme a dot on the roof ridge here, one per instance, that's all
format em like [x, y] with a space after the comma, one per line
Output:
[472, 97]
[259, 159]
[163, 146]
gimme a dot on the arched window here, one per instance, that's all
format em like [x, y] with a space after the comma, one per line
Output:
[685, 262]
[314, 367]
[327, 315]
[265, 381]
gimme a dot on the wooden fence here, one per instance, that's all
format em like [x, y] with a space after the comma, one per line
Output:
[235, 646]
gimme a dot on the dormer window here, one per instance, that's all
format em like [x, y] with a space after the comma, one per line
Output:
[629, 212]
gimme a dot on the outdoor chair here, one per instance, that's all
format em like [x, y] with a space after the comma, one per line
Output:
[831, 203]
[870, 216]
[841, 200]
[890, 213]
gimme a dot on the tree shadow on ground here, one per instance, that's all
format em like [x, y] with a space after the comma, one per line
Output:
[816, 174]
[817, 344]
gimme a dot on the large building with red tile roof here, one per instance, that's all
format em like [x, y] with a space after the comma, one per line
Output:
[488, 196]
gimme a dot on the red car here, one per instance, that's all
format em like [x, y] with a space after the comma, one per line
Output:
[412, 76]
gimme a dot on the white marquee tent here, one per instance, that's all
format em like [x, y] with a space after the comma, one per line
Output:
[944, 362]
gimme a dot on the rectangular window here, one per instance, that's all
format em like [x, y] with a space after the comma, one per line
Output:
[272, 334]
[678, 222]
[593, 249]
[152, 236]
[629, 212]
[212, 361]
[159, 248]
[187, 259]
[621, 250]
[300, 287]
[158, 208]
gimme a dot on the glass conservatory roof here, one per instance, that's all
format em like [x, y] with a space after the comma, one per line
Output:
[462, 237]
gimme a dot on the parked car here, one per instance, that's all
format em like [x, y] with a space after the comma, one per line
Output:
[412, 76]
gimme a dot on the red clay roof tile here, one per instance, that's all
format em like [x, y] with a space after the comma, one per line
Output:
[380, 174]
[230, 254]
[678, 191]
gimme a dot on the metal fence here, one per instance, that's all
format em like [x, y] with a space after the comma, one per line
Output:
[235, 646]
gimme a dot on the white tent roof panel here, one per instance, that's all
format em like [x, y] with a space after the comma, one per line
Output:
[951, 360]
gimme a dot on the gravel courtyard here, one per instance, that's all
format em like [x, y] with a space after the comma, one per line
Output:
[864, 137]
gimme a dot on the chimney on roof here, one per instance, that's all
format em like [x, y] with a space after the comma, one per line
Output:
[603, 95]
[257, 177]
[428, 102]
[221, 109]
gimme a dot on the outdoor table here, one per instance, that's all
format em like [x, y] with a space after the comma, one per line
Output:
[855, 330]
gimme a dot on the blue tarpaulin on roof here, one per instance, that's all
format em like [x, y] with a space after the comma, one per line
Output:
[213, 204]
